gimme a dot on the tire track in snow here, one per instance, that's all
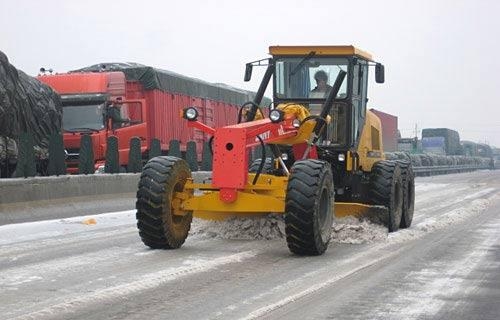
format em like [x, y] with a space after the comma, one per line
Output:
[432, 286]
[454, 216]
[142, 283]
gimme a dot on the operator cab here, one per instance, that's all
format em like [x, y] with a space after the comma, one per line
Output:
[306, 74]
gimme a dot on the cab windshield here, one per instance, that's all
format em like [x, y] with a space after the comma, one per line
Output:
[83, 117]
[304, 78]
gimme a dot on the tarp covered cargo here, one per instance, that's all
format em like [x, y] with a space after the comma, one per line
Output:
[27, 105]
[164, 80]
[476, 149]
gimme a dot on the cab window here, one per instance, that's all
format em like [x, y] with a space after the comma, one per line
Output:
[301, 78]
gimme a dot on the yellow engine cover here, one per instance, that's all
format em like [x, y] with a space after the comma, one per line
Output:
[370, 147]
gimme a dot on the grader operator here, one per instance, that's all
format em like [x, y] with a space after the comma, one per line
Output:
[326, 157]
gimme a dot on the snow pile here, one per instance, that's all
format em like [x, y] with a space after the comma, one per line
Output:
[354, 231]
[345, 230]
[268, 227]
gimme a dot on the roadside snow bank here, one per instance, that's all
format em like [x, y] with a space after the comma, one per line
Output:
[453, 216]
[431, 224]
[38, 230]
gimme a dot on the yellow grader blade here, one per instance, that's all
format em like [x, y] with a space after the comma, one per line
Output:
[266, 196]
[376, 214]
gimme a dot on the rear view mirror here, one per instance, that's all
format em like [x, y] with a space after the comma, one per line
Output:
[248, 72]
[379, 73]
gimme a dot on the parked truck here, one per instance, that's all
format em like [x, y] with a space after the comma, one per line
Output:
[442, 141]
[390, 132]
[410, 145]
[129, 100]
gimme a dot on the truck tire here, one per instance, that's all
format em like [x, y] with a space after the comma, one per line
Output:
[408, 193]
[309, 207]
[267, 168]
[386, 189]
[161, 224]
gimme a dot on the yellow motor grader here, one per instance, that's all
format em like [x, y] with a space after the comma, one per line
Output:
[321, 157]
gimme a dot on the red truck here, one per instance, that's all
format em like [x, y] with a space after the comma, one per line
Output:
[150, 102]
[389, 130]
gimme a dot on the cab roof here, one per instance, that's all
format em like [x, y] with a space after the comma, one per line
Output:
[320, 51]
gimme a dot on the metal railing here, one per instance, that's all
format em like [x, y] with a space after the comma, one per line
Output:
[435, 170]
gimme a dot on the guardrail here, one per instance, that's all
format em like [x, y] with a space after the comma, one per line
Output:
[435, 170]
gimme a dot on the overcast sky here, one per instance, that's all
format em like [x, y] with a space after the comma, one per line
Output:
[440, 55]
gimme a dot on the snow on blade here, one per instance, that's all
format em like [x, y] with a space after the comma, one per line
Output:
[354, 231]
[345, 230]
[268, 227]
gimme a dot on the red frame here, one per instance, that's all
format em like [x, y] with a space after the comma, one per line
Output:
[231, 150]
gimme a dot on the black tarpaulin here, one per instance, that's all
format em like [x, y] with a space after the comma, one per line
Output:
[168, 81]
[27, 105]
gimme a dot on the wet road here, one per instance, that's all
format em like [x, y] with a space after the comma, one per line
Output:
[446, 266]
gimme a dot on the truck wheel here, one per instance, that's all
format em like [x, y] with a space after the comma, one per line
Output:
[309, 207]
[161, 222]
[267, 168]
[408, 193]
[386, 187]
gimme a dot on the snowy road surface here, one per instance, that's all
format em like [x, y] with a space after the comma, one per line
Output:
[446, 266]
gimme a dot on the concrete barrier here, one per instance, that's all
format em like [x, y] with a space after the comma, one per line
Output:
[42, 198]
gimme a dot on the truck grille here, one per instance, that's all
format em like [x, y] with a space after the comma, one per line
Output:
[72, 154]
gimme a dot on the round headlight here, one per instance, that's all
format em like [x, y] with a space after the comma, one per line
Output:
[276, 115]
[190, 113]
[341, 157]
[296, 123]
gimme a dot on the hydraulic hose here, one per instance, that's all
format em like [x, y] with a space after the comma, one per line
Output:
[262, 162]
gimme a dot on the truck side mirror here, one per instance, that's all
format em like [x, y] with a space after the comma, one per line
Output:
[379, 73]
[248, 72]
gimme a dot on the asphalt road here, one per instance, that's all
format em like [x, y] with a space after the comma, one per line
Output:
[446, 266]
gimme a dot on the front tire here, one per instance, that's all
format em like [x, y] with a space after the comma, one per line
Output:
[161, 222]
[309, 207]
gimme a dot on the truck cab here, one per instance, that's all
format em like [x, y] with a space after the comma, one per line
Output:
[87, 99]
[296, 80]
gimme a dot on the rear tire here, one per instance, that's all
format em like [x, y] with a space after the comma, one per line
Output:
[408, 193]
[309, 207]
[386, 187]
[161, 224]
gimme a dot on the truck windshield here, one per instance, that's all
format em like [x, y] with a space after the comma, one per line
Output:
[83, 117]
[300, 78]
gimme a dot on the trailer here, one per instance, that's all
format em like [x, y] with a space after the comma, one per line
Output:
[390, 133]
[129, 100]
